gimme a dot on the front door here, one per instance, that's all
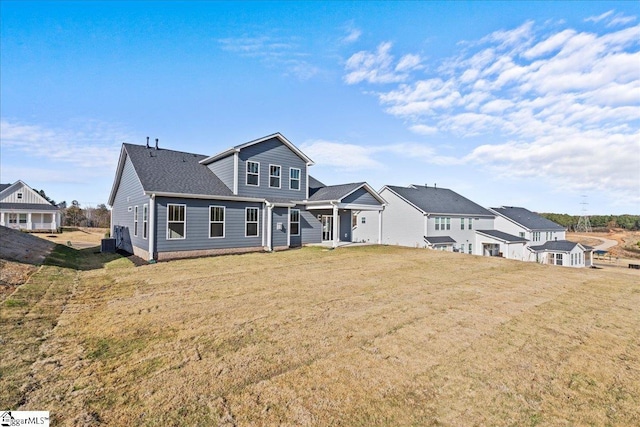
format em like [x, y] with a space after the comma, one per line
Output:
[327, 227]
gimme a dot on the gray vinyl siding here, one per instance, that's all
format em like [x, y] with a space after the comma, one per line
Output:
[223, 168]
[361, 197]
[279, 237]
[271, 152]
[345, 226]
[197, 225]
[130, 194]
[310, 226]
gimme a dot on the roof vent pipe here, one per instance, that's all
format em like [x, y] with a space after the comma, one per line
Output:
[156, 143]
[147, 142]
[435, 185]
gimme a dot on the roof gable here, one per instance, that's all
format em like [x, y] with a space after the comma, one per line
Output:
[8, 189]
[527, 219]
[339, 192]
[238, 148]
[560, 246]
[432, 200]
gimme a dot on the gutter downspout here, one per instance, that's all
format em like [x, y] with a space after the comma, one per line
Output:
[152, 227]
[380, 227]
[269, 226]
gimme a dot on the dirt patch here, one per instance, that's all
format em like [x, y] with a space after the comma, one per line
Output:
[23, 247]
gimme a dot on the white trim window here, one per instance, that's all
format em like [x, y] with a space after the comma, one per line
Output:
[253, 173]
[471, 223]
[294, 222]
[437, 223]
[470, 249]
[251, 223]
[294, 179]
[19, 196]
[135, 221]
[176, 221]
[461, 248]
[145, 221]
[448, 220]
[13, 218]
[216, 222]
[22, 218]
[461, 223]
[274, 176]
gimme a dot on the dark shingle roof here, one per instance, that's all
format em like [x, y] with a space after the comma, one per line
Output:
[439, 201]
[503, 236]
[439, 240]
[170, 171]
[333, 192]
[527, 219]
[314, 185]
[558, 245]
[28, 206]
[4, 186]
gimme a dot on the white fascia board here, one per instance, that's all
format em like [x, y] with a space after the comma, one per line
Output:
[354, 206]
[118, 177]
[218, 156]
[19, 182]
[370, 190]
[205, 196]
[399, 196]
[323, 205]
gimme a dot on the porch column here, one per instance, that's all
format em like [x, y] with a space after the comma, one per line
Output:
[379, 227]
[336, 226]
[269, 227]
[2, 218]
[29, 223]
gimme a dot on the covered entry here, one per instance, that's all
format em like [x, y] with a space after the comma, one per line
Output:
[333, 206]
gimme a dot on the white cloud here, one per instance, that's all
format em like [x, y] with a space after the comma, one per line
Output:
[89, 145]
[340, 155]
[274, 52]
[613, 20]
[562, 106]
[378, 66]
[599, 17]
[352, 36]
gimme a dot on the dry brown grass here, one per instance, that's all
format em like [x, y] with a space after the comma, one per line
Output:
[359, 336]
[80, 238]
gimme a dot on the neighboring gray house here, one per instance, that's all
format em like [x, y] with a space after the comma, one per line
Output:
[21, 207]
[545, 239]
[252, 197]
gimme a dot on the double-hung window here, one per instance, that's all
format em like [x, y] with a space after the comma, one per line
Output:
[253, 173]
[216, 221]
[145, 221]
[22, 218]
[274, 176]
[470, 223]
[176, 221]
[295, 222]
[448, 220]
[437, 223]
[251, 222]
[294, 179]
[461, 223]
[135, 220]
[470, 248]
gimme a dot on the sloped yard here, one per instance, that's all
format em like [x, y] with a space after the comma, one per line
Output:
[358, 336]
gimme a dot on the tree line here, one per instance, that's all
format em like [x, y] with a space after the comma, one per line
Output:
[628, 222]
[77, 216]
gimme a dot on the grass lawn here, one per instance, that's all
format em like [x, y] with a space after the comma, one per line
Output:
[356, 336]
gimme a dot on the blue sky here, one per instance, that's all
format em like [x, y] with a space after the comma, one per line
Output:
[532, 104]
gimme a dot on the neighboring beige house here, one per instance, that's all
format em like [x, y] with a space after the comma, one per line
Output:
[21, 207]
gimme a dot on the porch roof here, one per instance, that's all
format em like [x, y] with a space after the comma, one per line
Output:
[500, 235]
[28, 207]
[439, 240]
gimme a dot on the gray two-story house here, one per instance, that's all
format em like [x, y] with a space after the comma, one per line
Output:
[252, 197]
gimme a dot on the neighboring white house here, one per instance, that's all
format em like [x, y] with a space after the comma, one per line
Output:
[427, 217]
[529, 225]
[21, 207]
[563, 252]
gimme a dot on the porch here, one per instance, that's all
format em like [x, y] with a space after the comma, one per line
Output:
[337, 223]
